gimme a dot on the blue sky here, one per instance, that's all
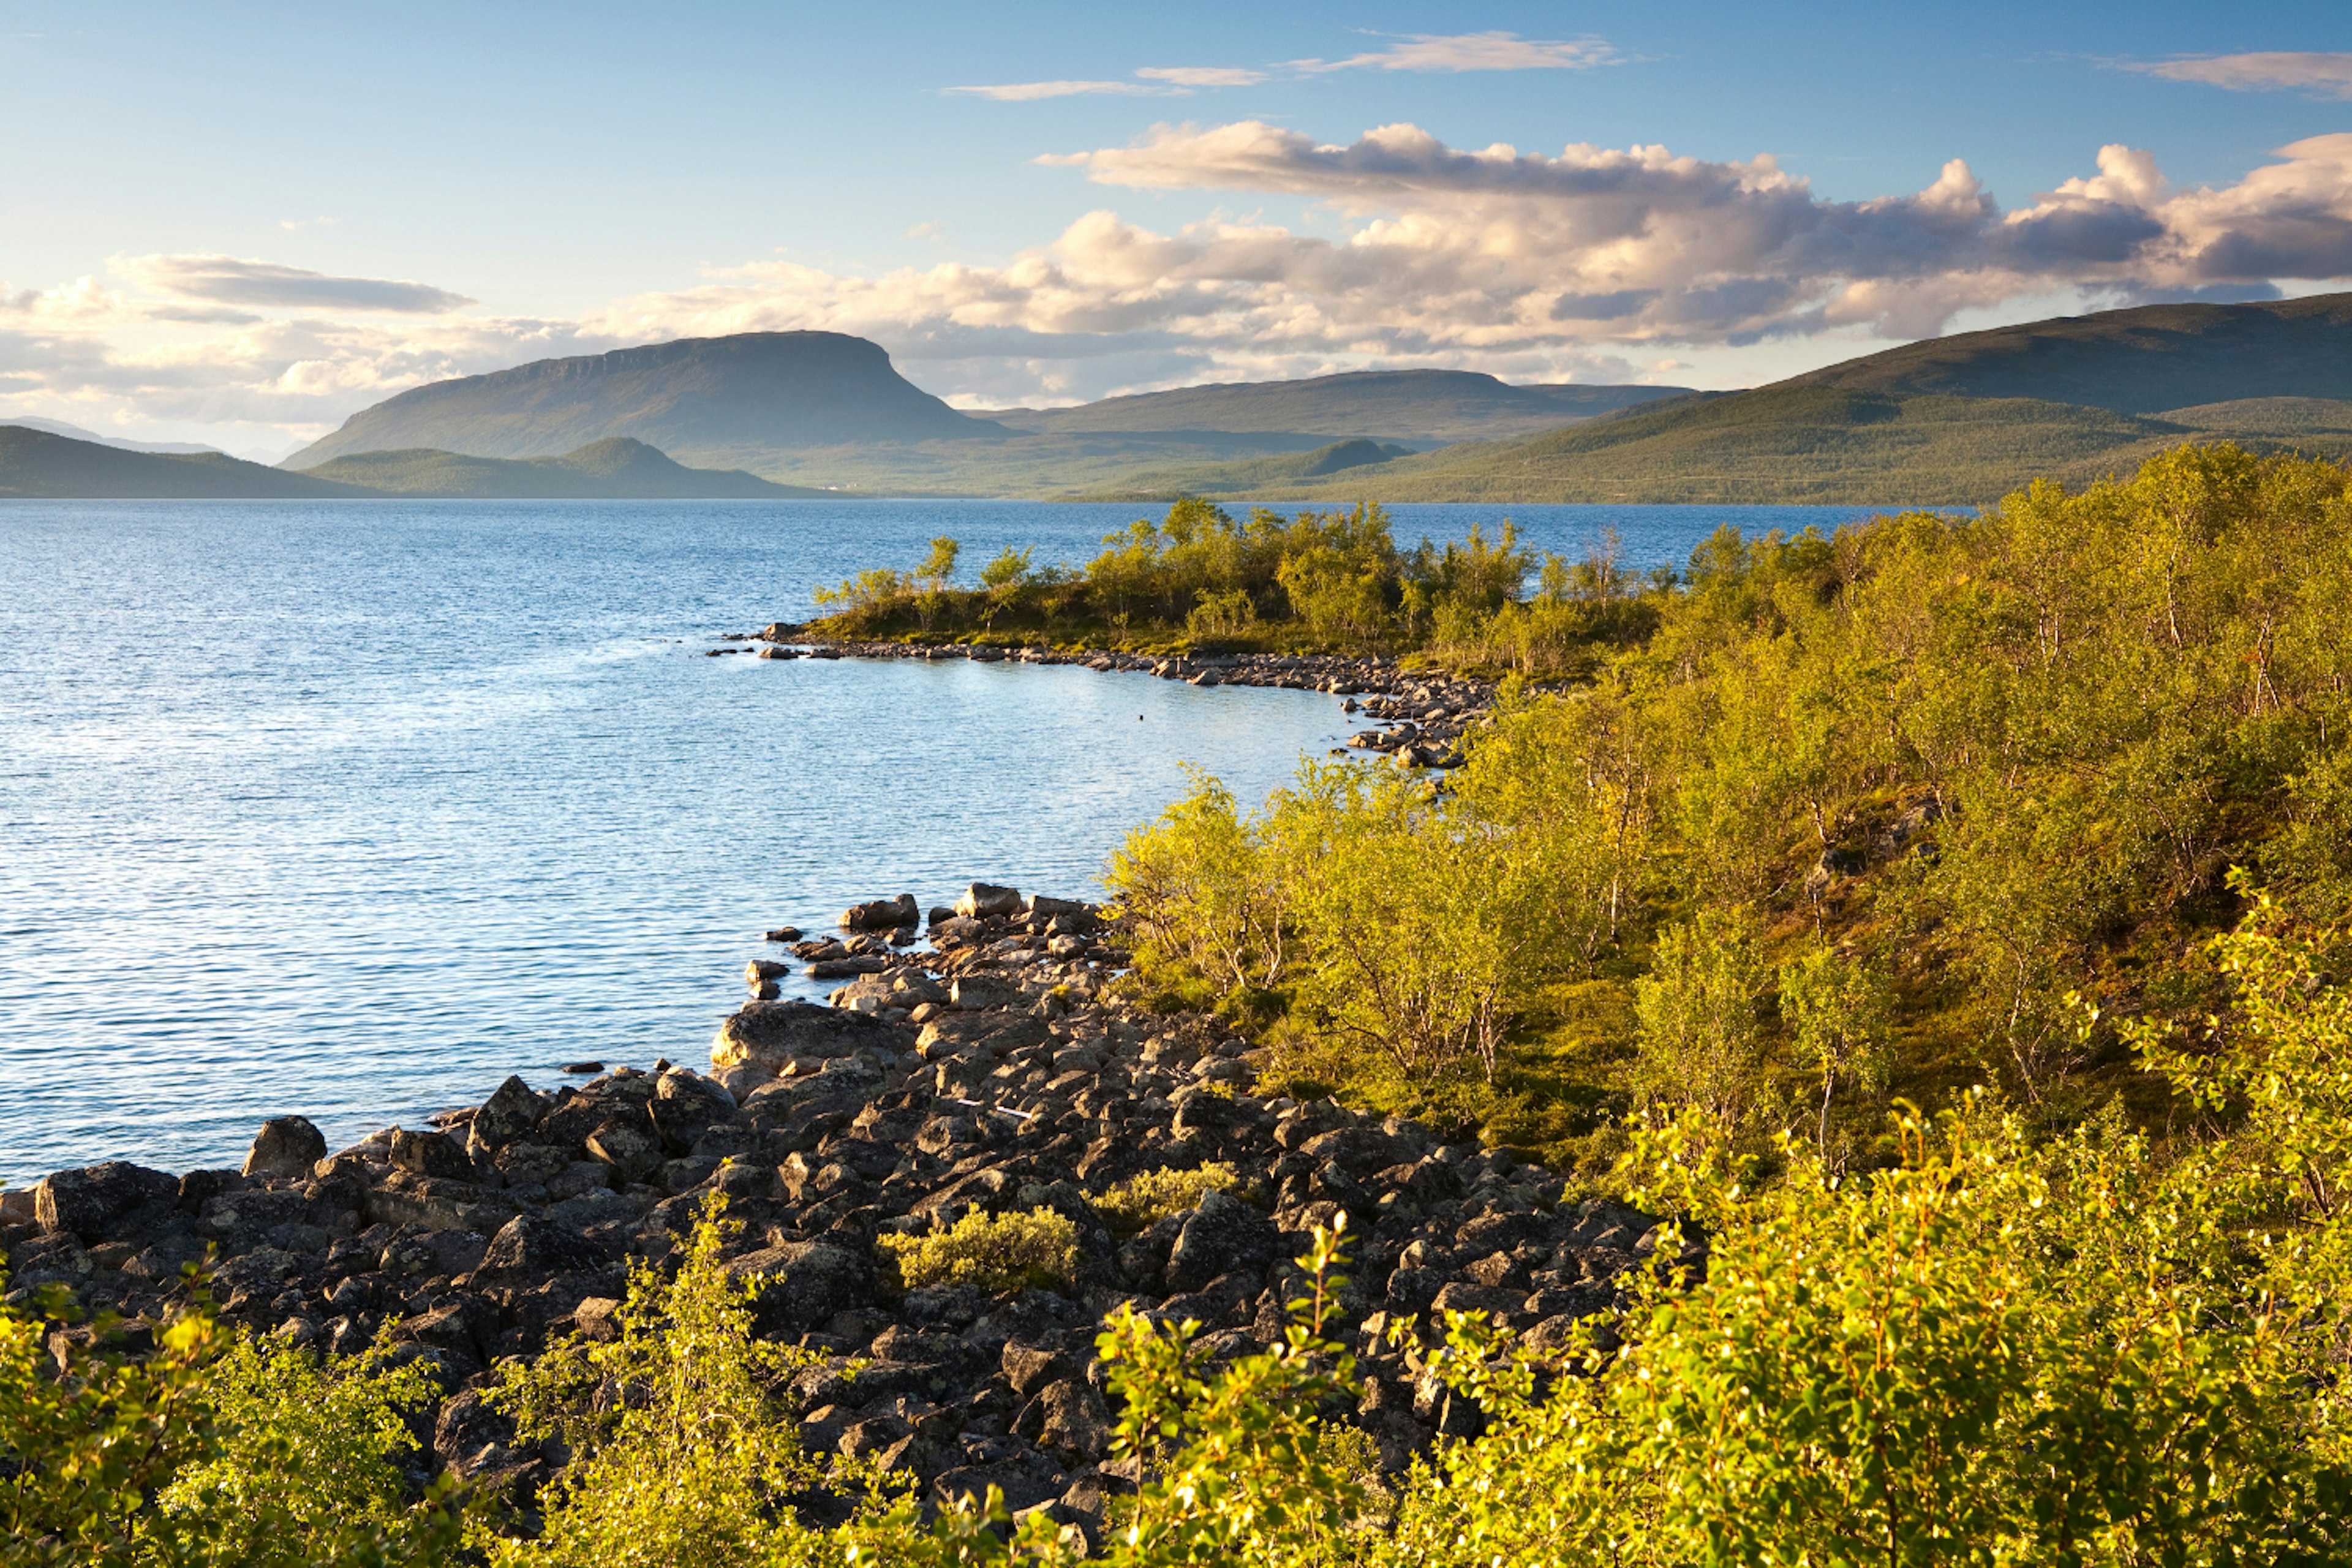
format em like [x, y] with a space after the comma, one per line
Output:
[205, 211]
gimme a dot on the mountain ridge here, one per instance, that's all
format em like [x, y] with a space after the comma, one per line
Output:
[691, 395]
[38, 465]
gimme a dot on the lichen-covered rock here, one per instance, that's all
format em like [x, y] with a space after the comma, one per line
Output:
[92, 1199]
[286, 1146]
[764, 1037]
[1223, 1235]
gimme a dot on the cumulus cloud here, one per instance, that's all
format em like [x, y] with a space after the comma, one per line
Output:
[2318, 73]
[1475, 52]
[1584, 263]
[235, 280]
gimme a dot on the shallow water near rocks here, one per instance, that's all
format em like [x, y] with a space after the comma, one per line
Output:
[350, 809]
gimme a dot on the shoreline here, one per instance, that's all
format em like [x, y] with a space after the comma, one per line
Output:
[1421, 715]
[993, 1070]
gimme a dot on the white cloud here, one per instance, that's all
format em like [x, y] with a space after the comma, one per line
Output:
[234, 280]
[1475, 52]
[1203, 76]
[2318, 73]
[1029, 91]
[1587, 262]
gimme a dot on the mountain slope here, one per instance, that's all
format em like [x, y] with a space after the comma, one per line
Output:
[1414, 407]
[76, 433]
[1799, 444]
[754, 390]
[1259, 474]
[35, 463]
[1778, 443]
[615, 469]
[2139, 361]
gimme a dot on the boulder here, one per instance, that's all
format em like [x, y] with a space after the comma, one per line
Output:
[90, 1200]
[984, 899]
[685, 1106]
[286, 1146]
[1067, 1419]
[527, 1248]
[805, 1283]
[630, 1147]
[881, 914]
[1224, 1236]
[764, 1035]
[975, 992]
[430, 1154]
[508, 1116]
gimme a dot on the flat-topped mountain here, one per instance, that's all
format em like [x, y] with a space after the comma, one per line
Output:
[753, 391]
[2145, 360]
[1419, 407]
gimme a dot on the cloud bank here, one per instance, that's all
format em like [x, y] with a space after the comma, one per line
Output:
[1591, 262]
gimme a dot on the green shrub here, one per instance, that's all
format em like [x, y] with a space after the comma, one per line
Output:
[994, 1252]
[1143, 1200]
[684, 1442]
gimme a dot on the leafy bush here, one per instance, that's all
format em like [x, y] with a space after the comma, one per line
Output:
[309, 1462]
[994, 1252]
[684, 1447]
[205, 1449]
[1143, 1200]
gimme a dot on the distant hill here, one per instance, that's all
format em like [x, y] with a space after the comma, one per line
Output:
[35, 463]
[615, 469]
[2140, 360]
[754, 391]
[1797, 444]
[1422, 407]
[75, 432]
[1350, 458]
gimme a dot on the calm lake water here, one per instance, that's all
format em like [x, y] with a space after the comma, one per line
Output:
[350, 809]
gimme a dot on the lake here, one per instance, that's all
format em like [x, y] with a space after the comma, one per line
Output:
[350, 809]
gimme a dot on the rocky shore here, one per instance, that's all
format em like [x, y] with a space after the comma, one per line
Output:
[992, 1070]
[1422, 714]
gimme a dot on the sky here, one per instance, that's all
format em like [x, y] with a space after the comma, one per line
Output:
[241, 223]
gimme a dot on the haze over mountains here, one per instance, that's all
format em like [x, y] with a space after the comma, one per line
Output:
[39, 464]
[1955, 420]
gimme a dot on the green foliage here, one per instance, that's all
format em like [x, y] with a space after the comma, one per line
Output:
[684, 1446]
[1999, 763]
[1840, 1014]
[1325, 579]
[1143, 1200]
[938, 566]
[308, 1464]
[994, 1252]
[84, 1445]
[1702, 1043]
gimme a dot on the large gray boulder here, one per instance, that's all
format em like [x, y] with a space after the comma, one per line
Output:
[987, 898]
[91, 1199]
[286, 1146]
[763, 1035]
[1224, 1236]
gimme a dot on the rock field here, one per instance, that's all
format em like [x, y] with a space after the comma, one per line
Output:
[993, 1070]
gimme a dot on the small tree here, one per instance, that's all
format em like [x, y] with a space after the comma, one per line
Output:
[1839, 1015]
[1701, 1046]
